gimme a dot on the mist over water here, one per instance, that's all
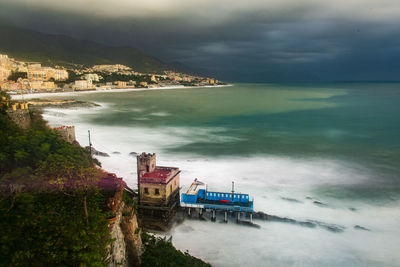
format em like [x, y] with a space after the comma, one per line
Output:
[326, 153]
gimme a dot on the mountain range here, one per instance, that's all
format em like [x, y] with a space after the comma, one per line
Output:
[28, 45]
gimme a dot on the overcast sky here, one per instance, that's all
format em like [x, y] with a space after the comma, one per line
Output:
[254, 40]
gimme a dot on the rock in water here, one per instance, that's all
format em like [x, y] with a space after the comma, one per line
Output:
[358, 227]
[96, 152]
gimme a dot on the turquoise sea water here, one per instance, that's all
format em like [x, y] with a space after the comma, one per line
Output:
[338, 144]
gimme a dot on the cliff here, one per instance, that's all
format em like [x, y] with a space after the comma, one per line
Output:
[126, 247]
[58, 208]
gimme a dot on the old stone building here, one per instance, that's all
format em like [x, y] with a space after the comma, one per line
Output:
[158, 192]
[67, 133]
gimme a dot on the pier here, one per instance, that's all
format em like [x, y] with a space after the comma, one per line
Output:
[210, 205]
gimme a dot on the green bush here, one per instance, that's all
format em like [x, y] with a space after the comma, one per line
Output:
[49, 229]
[160, 252]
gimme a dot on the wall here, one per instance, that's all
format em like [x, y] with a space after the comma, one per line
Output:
[151, 197]
[174, 185]
[20, 117]
[164, 189]
[67, 133]
[144, 162]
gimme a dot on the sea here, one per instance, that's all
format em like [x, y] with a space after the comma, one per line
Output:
[322, 153]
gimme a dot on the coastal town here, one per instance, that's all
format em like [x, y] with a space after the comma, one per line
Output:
[18, 77]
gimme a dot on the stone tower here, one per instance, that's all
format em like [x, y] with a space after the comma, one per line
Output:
[146, 162]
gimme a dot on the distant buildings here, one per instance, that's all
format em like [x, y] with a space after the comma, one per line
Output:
[143, 84]
[42, 85]
[110, 68]
[4, 73]
[106, 76]
[38, 73]
[4, 60]
[83, 85]
[92, 76]
[58, 74]
[120, 84]
[11, 85]
[153, 78]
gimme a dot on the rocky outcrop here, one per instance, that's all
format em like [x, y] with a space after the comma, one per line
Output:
[133, 241]
[126, 247]
[96, 152]
[117, 249]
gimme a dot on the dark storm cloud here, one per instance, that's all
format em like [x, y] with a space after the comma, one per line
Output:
[249, 40]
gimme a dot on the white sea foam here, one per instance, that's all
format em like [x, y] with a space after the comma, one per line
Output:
[270, 179]
[159, 114]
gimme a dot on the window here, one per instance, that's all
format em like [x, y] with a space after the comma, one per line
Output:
[156, 191]
[146, 190]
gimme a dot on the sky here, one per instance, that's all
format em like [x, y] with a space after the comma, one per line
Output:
[252, 40]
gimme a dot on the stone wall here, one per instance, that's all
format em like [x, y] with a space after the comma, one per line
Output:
[21, 117]
[67, 133]
[146, 163]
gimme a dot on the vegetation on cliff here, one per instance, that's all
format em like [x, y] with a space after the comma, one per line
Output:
[47, 218]
[51, 212]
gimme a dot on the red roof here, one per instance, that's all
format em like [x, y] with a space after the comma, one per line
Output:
[158, 174]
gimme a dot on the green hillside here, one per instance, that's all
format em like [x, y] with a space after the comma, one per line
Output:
[29, 45]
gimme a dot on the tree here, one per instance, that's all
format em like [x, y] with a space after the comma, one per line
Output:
[15, 75]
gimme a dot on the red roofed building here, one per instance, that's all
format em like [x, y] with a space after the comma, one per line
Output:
[158, 188]
[157, 184]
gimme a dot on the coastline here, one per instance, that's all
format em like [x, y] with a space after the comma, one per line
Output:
[73, 93]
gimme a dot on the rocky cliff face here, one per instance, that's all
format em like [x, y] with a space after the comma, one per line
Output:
[126, 247]
[133, 241]
[117, 253]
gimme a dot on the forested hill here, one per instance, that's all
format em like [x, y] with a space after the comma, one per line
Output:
[63, 50]
[55, 204]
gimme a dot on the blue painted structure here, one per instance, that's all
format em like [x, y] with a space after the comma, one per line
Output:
[201, 198]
